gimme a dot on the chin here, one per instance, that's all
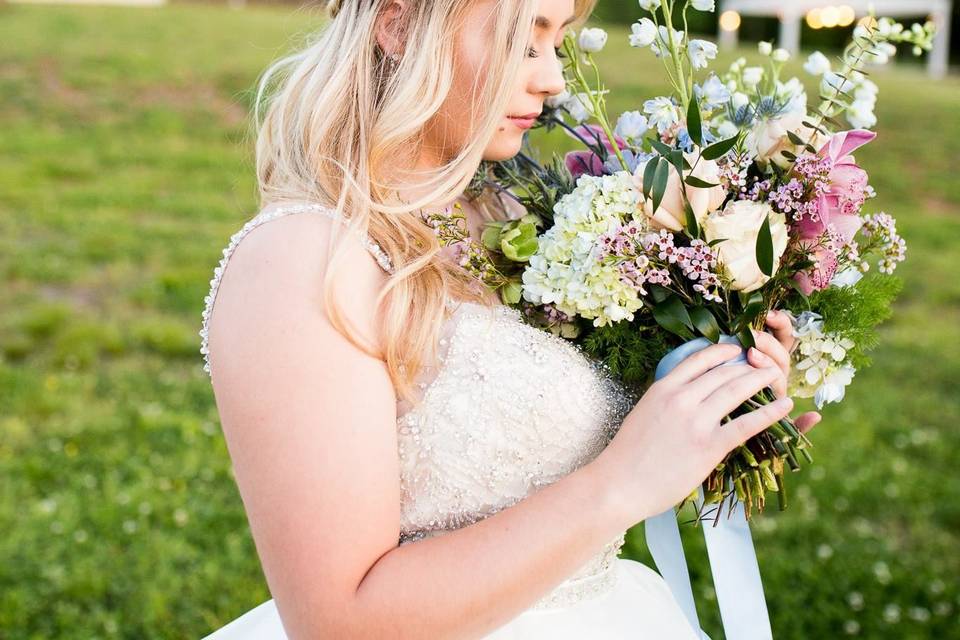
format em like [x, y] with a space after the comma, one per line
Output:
[503, 147]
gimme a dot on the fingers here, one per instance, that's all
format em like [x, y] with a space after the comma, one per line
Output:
[700, 362]
[807, 421]
[739, 430]
[759, 359]
[773, 349]
[731, 395]
[719, 377]
[782, 328]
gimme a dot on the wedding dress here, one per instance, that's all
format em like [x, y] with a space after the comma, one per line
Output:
[508, 409]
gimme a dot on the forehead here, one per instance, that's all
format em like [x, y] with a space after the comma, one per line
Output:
[555, 14]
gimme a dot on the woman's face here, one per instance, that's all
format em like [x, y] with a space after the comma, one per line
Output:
[540, 76]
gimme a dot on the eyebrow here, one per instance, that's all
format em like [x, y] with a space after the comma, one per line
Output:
[544, 23]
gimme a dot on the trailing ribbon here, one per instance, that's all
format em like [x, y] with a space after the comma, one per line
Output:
[732, 558]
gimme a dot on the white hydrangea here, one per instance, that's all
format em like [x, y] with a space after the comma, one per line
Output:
[566, 270]
[820, 369]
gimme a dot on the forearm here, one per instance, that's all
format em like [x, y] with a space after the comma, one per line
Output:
[466, 583]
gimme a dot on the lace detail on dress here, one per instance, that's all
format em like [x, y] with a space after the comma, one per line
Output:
[266, 215]
[512, 409]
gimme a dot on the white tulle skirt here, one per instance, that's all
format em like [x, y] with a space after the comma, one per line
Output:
[639, 606]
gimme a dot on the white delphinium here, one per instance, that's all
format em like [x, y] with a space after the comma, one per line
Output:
[752, 76]
[661, 44]
[780, 55]
[817, 64]
[662, 113]
[765, 48]
[643, 33]
[820, 370]
[592, 40]
[703, 5]
[794, 95]
[567, 271]
[631, 125]
[650, 5]
[700, 52]
[579, 106]
[712, 93]
[558, 100]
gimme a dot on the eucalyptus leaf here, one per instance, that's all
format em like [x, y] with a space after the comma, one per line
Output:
[694, 181]
[720, 149]
[648, 172]
[694, 126]
[765, 247]
[660, 183]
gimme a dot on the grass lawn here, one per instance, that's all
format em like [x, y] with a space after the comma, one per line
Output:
[125, 166]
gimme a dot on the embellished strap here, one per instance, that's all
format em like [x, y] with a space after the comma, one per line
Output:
[265, 216]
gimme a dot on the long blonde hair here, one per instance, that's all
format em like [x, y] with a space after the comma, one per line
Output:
[339, 119]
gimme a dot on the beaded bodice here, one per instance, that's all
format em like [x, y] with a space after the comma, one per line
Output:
[507, 409]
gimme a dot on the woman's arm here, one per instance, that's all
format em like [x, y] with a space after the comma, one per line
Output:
[310, 426]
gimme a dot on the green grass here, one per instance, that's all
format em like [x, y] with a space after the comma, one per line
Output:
[125, 168]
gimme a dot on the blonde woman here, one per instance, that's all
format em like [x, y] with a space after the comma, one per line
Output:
[414, 460]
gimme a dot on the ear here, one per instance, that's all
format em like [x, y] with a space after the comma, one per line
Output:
[390, 26]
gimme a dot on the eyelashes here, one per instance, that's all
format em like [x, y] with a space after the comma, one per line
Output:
[531, 52]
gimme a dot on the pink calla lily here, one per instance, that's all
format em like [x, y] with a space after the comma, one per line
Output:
[580, 162]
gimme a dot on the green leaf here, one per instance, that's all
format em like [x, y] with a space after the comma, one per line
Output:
[660, 183]
[658, 292]
[716, 241]
[694, 181]
[720, 149]
[746, 337]
[663, 149]
[765, 247]
[706, 323]
[694, 126]
[810, 125]
[795, 139]
[648, 172]
[788, 155]
[693, 227]
[672, 316]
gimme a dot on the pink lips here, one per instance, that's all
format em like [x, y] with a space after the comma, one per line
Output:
[524, 121]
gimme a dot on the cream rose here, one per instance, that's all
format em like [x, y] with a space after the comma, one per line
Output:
[768, 138]
[670, 214]
[739, 224]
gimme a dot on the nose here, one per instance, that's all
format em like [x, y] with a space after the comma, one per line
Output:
[548, 78]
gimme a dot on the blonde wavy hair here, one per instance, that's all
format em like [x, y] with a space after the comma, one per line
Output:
[339, 121]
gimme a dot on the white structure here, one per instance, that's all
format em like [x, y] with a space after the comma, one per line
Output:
[791, 12]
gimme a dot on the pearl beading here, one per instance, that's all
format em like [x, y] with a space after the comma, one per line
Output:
[265, 216]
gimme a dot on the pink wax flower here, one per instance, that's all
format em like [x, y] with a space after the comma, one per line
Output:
[581, 162]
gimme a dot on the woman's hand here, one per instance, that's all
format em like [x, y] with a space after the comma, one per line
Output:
[775, 349]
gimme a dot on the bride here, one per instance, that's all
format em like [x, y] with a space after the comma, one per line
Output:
[414, 460]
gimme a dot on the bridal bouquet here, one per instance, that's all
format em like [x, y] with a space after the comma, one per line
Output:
[691, 218]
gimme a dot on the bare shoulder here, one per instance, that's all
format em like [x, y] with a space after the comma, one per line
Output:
[272, 287]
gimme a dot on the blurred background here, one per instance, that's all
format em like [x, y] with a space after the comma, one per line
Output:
[126, 165]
